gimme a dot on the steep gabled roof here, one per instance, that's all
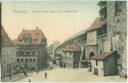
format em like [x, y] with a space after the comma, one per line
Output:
[36, 35]
[72, 48]
[98, 23]
[102, 55]
[77, 34]
[5, 40]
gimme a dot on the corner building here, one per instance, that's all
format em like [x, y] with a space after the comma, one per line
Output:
[31, 49]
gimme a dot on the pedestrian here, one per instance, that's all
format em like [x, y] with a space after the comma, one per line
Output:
[37, 71]
[45, 75]
[29, 80]
[10, 76]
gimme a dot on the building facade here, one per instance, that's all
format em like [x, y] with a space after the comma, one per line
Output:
[91, 40]
[8, 60]
[58, 59]
[104, 63]
[96, 36]
[51, 49]
[31, 50]
[8, 55]
[71, 56]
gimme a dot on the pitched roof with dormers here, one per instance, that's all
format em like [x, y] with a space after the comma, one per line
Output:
[37, 36]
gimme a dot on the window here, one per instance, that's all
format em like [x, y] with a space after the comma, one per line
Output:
[28, 53]
[20, 40]
[33, 53]
[18, 60]
[35, 39]
[118, 7]
[4, 51]
[96, 62]
[30, 60]
[34, 60]
[21, 60]
[26, 60]
[17, 53]
[25, 40]
[65, 52]
[70, 53]
[90, 40]
[4, 61]
[22, 53]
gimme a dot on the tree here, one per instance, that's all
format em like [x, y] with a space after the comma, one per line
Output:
[103, 9]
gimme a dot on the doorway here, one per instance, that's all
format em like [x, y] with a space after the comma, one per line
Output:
[95, 71]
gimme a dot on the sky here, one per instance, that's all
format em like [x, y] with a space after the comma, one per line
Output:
[58, 20]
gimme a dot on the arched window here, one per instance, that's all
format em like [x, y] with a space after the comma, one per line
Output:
[91, 54]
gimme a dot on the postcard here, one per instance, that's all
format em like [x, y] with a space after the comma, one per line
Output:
[63, 41]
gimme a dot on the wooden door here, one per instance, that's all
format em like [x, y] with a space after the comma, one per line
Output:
[95, 71]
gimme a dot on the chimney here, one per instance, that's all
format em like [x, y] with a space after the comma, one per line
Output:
[37, 28]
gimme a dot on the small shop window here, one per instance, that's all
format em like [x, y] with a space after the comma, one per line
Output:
[34, 60]
[96, 62]
[18, 60]
[70, 53]
[30, 60]
[21, 60]
[26, 60]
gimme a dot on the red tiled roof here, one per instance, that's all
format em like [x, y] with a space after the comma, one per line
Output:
[95, 25]
[98, 23]
[102, 55]
[72, 48]
[36, 35]
[5, 40]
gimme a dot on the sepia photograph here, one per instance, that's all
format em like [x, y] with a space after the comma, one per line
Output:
[63, 41]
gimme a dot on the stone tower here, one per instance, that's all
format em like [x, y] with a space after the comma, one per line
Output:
[117, 31]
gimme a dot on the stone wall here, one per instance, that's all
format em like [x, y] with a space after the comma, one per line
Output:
[117, 28]
[110, 65]
[99, 66]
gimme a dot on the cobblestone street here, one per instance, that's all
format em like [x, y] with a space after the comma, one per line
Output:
[69, 75]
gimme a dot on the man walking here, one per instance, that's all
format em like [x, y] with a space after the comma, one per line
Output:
[45, 75]
[29, 80]
[10, 76]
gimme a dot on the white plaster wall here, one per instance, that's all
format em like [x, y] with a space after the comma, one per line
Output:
[100, 66]
[92, 38]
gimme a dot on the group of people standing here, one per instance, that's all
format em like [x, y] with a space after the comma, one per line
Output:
[45, 76]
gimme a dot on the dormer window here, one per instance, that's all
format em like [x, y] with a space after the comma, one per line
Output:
[37, 33]
[20, 40]
[27, 39]
[35, 39]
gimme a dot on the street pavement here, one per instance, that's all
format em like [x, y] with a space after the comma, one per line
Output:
[69, 75]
